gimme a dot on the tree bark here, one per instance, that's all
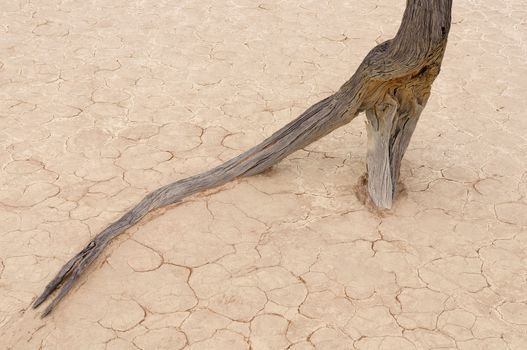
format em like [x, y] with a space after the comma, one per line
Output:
[392, 86]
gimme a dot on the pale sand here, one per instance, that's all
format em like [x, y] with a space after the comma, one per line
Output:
[103, 102]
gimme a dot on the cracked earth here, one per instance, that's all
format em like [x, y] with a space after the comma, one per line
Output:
[104, 101]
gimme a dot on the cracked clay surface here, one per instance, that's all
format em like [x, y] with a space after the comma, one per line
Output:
[104, 101]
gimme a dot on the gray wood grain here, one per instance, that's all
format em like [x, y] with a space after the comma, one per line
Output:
[396, 74]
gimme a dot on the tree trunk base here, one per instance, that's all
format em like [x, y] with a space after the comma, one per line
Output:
[364, 197]
[390, 125]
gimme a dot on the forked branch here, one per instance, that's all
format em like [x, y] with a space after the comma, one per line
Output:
[392, 85]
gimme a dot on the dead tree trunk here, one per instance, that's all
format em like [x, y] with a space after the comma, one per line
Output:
[392, 86]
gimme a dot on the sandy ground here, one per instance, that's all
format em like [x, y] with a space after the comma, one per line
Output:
[104, 101]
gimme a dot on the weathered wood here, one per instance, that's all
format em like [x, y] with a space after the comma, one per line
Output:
[390, 126]
[382, 120]
[392, 85]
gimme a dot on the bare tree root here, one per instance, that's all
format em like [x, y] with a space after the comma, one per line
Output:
[391, 85]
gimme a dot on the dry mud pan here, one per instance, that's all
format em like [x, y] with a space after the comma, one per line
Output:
[102, 102]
